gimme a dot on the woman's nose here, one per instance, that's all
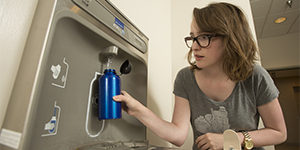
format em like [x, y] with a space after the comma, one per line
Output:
[195, 46]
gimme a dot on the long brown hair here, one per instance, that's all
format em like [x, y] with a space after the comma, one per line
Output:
[240, 50]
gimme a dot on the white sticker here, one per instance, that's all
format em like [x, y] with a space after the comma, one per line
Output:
[56, 74]
[52, 125]
[56, 71]
[10, 138]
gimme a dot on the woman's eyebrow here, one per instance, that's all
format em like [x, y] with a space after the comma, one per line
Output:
[198, 33]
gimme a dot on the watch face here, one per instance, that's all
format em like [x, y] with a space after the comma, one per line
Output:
[249, 144]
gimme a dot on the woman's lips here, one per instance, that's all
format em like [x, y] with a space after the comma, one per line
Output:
[198, 57]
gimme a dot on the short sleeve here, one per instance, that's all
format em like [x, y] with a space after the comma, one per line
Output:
[179, 84]
[266, 90]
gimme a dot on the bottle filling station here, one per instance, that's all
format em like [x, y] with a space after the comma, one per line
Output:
[79, 53]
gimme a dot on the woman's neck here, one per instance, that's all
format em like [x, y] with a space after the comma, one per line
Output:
[213, 73]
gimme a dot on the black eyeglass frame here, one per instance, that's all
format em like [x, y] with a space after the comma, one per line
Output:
[195, 39]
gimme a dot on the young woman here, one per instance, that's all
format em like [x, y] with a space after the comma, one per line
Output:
[222, 89]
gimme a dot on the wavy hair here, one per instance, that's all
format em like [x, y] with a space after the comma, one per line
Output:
[240, 50]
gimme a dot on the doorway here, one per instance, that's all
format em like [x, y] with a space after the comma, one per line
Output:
[287, 82]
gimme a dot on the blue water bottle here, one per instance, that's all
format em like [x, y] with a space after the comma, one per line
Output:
[109, 86]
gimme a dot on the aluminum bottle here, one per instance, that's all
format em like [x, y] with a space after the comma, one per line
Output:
[109, 86]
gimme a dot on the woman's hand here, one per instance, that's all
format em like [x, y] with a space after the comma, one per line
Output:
[174, 132]
[129, 104]
[210, 141]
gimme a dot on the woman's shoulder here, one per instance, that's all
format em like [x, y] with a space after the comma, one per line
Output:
[260, 71]
[260, 75]
[185, 71]
[184, 74]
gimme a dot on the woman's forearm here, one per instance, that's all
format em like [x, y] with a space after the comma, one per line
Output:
[164, 129]
[265, 137]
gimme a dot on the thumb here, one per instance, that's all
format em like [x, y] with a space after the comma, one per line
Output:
[118, 98]
[123, 97]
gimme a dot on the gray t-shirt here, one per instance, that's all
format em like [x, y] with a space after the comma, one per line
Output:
[238, 112]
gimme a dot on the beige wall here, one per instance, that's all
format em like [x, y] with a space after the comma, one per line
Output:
[15, 21]
[280, 52]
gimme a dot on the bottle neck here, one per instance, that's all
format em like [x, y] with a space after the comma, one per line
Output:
[110, 71]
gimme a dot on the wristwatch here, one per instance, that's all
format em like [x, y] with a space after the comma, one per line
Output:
[248, 143]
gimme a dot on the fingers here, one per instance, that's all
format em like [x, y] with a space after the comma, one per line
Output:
[129, 104]
[124, 93]
[212, 141]
[200, 142]
[123, 97]
[203, 143]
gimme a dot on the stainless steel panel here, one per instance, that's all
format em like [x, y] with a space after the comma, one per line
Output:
[53, 101]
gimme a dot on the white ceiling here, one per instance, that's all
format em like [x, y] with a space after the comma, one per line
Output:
[265, 12]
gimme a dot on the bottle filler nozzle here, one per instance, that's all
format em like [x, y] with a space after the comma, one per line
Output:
[109, 52]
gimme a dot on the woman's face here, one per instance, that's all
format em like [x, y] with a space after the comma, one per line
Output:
[210, 56]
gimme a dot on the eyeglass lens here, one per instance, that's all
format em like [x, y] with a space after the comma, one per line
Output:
[202, 40]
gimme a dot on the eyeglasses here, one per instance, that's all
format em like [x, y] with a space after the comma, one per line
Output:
[202, 40]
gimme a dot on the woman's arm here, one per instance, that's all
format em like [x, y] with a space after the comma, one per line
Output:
[273, 133]
[174, 132]
[275, 129]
